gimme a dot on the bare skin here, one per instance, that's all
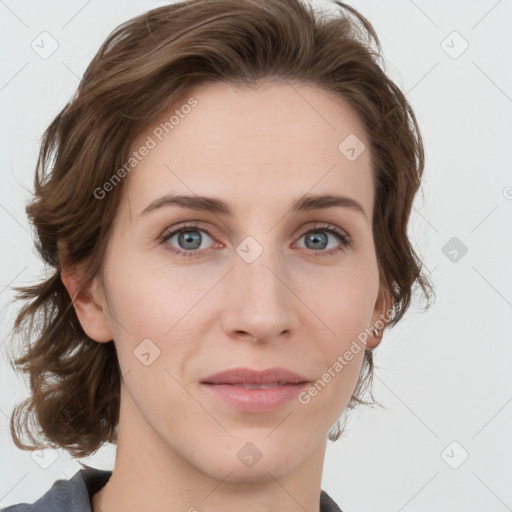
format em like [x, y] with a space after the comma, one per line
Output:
[297, 305]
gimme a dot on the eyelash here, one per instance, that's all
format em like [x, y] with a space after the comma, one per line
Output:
[346, 242]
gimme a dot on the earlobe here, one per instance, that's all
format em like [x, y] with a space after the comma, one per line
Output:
[89, 306]
[380, 318]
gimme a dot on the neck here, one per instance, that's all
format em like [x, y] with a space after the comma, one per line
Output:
[151, 475]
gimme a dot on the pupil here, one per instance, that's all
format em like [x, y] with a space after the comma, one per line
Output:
[188, 237]
[316, 239]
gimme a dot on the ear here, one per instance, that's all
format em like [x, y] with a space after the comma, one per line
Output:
[89, 304]
[380, 316]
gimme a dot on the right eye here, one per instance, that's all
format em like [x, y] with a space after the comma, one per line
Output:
[189, 239]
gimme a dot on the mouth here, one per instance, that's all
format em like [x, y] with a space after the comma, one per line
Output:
[255, 391]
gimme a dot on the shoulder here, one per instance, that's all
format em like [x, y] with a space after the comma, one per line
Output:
[64, 495]
[327, 504]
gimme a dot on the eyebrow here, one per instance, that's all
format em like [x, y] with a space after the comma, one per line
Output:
[305, 203]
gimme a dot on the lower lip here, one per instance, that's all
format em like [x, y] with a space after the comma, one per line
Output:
[256, 399]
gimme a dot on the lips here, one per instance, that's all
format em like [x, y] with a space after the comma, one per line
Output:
[250, 379]
[254, 391]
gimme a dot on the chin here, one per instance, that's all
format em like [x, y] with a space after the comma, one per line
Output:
[255, 457]
[263, 471]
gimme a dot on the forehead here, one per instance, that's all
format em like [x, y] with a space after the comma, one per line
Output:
[252, 143]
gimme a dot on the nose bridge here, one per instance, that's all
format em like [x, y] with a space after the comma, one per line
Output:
[259, 267]
[259, 300]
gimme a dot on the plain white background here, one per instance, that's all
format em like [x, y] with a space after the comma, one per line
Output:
[443, 442]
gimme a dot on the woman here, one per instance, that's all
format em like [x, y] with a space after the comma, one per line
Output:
[224, 204]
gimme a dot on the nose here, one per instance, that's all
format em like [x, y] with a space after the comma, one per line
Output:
[258, 302]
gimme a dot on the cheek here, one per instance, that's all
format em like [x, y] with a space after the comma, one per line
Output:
[344, 305]
[343, 298]
[338, 352]
[147, 296]
[153, 308]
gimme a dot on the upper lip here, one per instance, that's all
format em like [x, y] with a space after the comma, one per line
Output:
[249, 376]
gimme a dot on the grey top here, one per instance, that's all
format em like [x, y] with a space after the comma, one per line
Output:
[75, 494]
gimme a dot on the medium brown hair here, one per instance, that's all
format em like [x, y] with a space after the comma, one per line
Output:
[144, 65]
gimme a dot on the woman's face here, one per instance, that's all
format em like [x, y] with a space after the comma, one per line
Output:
[264, 286]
